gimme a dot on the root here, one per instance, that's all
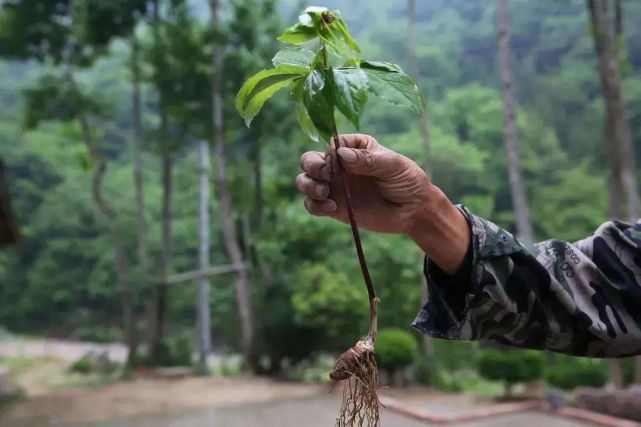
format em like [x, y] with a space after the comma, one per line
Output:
[357, 367]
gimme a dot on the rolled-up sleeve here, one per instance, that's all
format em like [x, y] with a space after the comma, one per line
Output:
[580, 298]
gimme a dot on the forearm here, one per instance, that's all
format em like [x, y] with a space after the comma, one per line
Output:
[580, 299]
[441, 231]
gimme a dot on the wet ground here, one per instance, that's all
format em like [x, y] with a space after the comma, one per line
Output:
[307, 412]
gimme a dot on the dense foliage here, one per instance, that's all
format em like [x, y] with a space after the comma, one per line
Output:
[569, 373]
[305, 285]
[395, 349]
[511, 366]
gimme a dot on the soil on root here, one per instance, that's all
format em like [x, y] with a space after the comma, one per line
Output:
[357, 368]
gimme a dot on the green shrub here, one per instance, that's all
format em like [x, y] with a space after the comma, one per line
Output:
[455, 355]
[84, 365]
[313, 369]
[5, 333]
[576, 372]
[395, 349]
[327, 300]
[426, 371]
[176, 351]
[628, 366]
[511, 366]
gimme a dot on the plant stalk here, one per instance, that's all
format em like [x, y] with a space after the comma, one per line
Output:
[373, 300]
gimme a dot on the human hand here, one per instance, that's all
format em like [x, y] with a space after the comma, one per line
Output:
[389, 191]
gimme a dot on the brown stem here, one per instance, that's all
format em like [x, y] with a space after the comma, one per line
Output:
[373, 300]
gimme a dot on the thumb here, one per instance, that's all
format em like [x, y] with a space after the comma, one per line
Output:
[368, 163]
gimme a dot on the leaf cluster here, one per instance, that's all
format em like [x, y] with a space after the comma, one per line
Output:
[511, 366]
[63, 30]
[334, 77]
[55, 98]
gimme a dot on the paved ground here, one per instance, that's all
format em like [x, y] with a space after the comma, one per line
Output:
[209, 402]
[308, 412]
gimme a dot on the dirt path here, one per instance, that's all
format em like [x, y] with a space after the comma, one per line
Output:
[65, 350]
[152, 396]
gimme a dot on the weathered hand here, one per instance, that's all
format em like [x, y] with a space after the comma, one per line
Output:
[390, 194]
[389, 191]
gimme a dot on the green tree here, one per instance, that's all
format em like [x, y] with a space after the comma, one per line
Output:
[396, 350]
[511, 367]
[82, 31]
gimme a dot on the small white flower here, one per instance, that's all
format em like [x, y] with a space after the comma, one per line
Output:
[305, 20]
[316, 9]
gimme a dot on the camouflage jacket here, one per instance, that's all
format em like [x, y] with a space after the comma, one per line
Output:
[582, 298]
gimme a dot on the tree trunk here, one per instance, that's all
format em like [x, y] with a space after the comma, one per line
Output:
[615, 373]
[608, 37]
[202, 301]
[167, 245]
[413, 69]
[508, 390]
[517, 186]
[243, 297]
[257, 219]
[618, 137]
[245, 223]
[160, 306]
[426, 341]
[137, 147]
[122, 264]
[256, 223]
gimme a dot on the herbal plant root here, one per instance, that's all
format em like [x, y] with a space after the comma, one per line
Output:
[357, 366]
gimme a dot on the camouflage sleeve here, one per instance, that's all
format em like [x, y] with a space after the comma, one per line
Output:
[582, 299]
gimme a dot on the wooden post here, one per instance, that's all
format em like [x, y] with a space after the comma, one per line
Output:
[202, 299]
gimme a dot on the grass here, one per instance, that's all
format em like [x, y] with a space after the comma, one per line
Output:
[56, 376]
[467, 381]
[482, 387]
[22, 365]
[65, 379]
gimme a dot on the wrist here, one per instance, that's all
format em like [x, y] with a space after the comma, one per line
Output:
[431, 208]
[441, 230]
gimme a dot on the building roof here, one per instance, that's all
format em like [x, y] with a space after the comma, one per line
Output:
[9, 234]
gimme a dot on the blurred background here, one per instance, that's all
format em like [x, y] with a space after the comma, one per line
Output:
[152, 274]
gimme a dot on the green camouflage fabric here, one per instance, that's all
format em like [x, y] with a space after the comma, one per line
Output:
[580, 298]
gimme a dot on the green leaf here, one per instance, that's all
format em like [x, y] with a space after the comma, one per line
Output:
[382, 66]
[350, 92]
[302, 116]
[337, 37]
[298, 34]
[318, 102]
[346, 35]
[331, 28]
[262, 86]
[294, 56]
[389, 82]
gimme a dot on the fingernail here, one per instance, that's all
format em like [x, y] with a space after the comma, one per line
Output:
[329, 206]
[347, 155]
[322, 190]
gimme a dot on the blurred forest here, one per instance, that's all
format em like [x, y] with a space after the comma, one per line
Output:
[105, 89]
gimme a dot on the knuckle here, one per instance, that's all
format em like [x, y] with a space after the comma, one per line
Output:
[367, 158]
